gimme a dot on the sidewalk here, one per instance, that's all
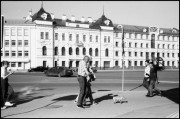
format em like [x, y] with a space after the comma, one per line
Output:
[63, 106]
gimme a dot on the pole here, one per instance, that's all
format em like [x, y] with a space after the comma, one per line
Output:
[123, 58]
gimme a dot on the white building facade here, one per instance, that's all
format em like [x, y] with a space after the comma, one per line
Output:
[42, 40]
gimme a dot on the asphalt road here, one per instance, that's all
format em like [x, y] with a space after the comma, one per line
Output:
[106, 81]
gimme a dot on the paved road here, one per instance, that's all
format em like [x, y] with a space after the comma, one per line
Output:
[105, 81]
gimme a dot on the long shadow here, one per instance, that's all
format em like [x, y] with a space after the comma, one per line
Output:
[69, 97]
[105, 97]
[104, 90]
[172, 94]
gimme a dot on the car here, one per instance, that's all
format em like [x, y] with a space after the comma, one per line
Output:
[38, 69]
[59, 71]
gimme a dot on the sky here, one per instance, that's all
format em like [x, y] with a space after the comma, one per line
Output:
[163, 14]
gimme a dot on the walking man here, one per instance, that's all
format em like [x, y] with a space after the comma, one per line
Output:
[82, 73]
[146, 75]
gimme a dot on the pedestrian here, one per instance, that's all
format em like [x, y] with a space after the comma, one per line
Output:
[153, 79]
[146, 75]
[7, 91]
[82, 73]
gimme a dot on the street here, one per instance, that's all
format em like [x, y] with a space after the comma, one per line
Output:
[111, 81]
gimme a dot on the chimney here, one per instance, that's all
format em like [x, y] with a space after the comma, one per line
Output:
[64, 17]
[52, 16]
[82, 19]
[73, 18]
[90, 19]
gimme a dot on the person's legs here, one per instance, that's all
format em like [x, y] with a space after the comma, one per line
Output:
[146, 83]
[150, 89]
[8, 93]
[2, 92]
[82, 85]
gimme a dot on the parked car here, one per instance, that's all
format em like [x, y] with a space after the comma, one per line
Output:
[59, 71]
[38, 69]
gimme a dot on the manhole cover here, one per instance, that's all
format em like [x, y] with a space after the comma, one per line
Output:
[54, 106]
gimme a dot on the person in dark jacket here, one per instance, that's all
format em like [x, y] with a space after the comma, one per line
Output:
[153, 79]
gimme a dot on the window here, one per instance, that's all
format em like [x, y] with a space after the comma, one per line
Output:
[13, 64]
[163, 45]
[116, 63]
[141, 45]
[172, 54]
[96, 52]
[63, 51]
[77, 38]
[63, 36]
[1, 53]
[96, 38]
[6, 53]
[26, 43]
[90, 51]
[6, 32]
[172, 63]
[13, 31]
[147, 55]
[116, 44]
[19, 32]
[141, 63]
[167, 54]
[109, 39]
[130, 44]
[19, 53]
[172, 46]
[116, 53]
[167, 63]
[135, 35]
[84, 38]
[19, 64]
[26, 53]
[135, 54]
[146, 36]
[135, 63]
[56, 51]
[56, 36]
[84, 51]
[163, 54]
[13, 43]
[153, 41]
[135, 45]
[63, 63]
[158, 45]
[96, 64]
[44, 51]
[116, 34]
[42, 35]
[147, 45]
[70, 37]
[70, 51]
[168, 46]
[106, 53]
[129, 54]
[19, 43]
[6, 43]
[47, 35]
[141, 54]
[77, 51]
[90, 38]
[25, 32]
[13, 53]
[105, 39]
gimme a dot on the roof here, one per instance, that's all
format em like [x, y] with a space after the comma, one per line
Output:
[169, 31]
[18, 22]
[37, 16]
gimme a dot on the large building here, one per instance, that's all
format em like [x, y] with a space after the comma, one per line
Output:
[42, 40]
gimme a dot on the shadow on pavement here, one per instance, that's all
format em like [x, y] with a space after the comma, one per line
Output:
[69, 97]
[105, 97]
[104, 90]
[172, 94]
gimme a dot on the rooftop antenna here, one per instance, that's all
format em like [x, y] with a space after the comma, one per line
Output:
[42, 4]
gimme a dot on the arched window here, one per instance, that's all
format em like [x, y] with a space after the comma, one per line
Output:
[77, 51]
[96, 52]
[84, 51]
[90, 51]
[44, 50]
[63, 51]
[106, 52]
[56, 51]
[70, 51]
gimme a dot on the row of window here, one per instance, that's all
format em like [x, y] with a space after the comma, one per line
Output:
[144, 36]
[18, 42]
[147, 45]
[14, 53]
[14, 32]
[45, 35]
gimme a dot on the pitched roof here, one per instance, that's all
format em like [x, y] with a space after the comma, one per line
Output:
[37, 16]
[18, 22]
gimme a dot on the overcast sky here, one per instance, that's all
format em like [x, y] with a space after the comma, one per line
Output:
[164, 14]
